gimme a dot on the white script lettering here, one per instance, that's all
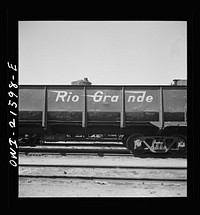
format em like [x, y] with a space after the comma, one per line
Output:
[139, 96]
[66, 96]
[100, 96]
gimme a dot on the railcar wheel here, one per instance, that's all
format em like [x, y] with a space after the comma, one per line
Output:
[134, 143]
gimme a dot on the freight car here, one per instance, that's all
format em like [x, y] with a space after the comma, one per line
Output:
[144, 118]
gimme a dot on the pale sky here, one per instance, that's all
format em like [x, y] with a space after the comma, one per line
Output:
[106, 52]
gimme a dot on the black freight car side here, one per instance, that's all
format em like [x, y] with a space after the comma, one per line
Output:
[142, 117]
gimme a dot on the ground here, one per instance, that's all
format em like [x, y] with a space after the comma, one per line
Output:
[29, 187]
[56, 187]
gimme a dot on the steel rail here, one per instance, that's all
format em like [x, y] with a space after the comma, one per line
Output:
[78, 154]
[105, 178]
[105, 166]
[66, 150]
[78, 144]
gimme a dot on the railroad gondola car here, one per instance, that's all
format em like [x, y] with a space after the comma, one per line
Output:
[145, 118]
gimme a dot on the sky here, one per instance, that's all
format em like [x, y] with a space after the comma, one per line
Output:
[106, 52]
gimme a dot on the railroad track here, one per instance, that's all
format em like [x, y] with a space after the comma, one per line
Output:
[104, 172]
[77, 143]
[100, 149]
[92, 151]
[83, 151]
[87, 144]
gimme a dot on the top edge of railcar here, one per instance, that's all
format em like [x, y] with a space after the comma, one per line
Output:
[96, 86]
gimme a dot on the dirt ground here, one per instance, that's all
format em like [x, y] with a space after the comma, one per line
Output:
[29, 187]
[66, 187]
